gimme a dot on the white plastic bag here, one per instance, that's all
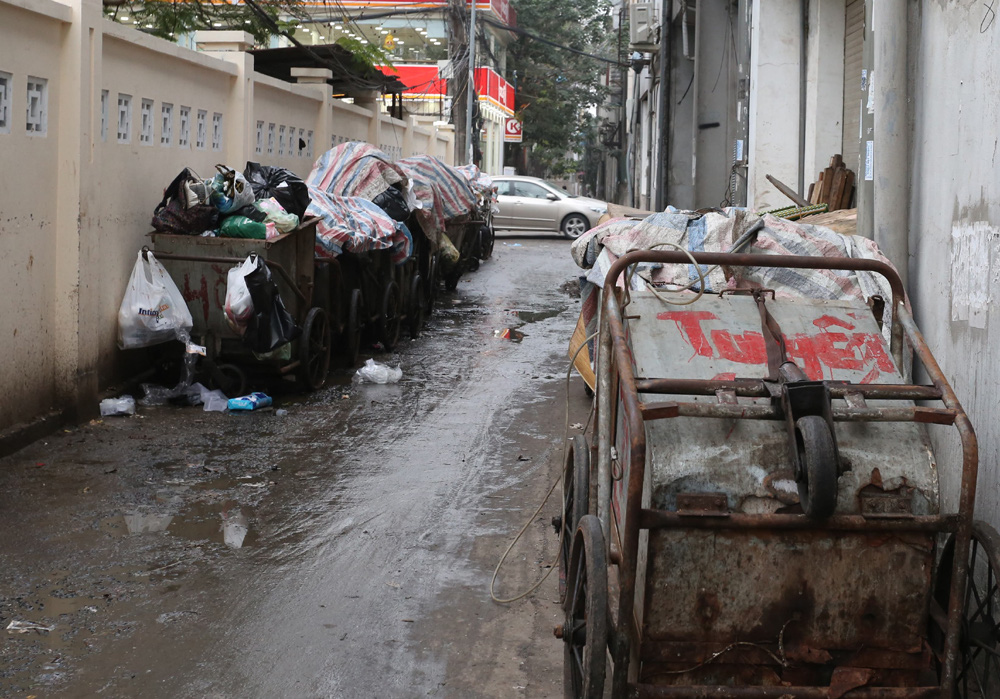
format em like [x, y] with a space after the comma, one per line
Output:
[153, 310]
[239, 305]
[373, 372]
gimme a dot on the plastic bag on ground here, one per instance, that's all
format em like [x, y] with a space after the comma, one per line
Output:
[123, 405]
[373, 372]
[239, 305]
[153, 309]
[250, 402]
[284, 185]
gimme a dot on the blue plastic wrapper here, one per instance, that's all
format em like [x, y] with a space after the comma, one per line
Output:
[252, 402]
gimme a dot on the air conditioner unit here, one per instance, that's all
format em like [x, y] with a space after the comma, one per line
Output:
[642, 26]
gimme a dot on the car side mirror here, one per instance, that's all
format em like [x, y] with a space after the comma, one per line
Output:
[551, 197]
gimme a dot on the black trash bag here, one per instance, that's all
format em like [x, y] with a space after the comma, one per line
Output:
[393, 203]
[252, 213]
[284, 185]
[270, 326]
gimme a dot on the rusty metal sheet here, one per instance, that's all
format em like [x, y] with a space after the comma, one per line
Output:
[749, 460]
[811, 590]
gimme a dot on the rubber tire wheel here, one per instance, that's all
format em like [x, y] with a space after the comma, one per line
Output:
[983, 567]
[576, 499]
[571, 226]
[473, 264]
[585, 629]
[389, 318]
[230, 379]
[818, 478]
[353, 328]
[432, 284]
[487, 239]
[416, 314]
[314, 350]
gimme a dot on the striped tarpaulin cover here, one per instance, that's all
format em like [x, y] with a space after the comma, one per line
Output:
[354, 224]
[355, 169]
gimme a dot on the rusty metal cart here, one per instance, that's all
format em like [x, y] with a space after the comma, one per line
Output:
[199, 266]
[760, 516]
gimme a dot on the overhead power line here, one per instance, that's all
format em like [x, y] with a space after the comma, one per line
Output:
[534, 37]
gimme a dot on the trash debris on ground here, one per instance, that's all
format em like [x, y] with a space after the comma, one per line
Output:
[373, 372]
[234, 528]
[26, 626]
[576, 426]
[511, 334]
[252, 401]
[281, 412]
[123, 405]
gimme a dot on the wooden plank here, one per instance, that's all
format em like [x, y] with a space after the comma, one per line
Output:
[817, 190]
[787, 191]
[845, 202]
[824, 197]
[810, 195]
[837, 190]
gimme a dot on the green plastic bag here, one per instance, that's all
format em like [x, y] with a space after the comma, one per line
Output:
[242, 227]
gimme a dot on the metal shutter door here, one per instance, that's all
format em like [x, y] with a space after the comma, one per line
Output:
[854, 38]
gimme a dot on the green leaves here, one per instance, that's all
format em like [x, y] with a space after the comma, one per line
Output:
[169, 19]
[555, 88]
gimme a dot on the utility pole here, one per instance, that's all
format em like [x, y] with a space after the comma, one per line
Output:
[471, 101]
[459, 103]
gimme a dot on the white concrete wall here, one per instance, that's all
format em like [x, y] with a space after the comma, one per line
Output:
[774, 100]
[825, 86]
[955, 223]
[76, 200]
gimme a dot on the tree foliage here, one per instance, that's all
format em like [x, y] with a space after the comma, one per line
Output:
[169, 19]
[555, 88]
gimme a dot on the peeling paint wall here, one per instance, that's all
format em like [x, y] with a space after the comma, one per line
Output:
[955, 221]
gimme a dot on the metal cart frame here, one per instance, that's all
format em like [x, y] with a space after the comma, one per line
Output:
[612, 540]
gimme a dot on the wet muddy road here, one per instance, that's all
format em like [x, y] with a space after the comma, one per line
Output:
[342, 550]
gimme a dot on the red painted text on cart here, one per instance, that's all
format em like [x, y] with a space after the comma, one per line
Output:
[835, 345]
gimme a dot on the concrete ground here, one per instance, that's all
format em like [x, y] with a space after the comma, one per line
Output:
[342, 550]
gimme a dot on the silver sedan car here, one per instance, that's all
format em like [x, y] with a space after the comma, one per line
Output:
[532, 204]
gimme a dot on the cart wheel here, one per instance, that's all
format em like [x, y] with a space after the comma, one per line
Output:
[475, 252]
[585, 631]
[818, 477]
[416, 314]
[314, 350]
[229, 379]
[977, 674]
[487, 238]
[432, 284]
[352, 331]
[576, 498]
[388, 320]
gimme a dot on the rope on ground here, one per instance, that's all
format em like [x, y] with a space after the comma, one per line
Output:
[562, 529]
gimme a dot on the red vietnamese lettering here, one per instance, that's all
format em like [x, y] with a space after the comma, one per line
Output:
[747, 348]
[689, 325]
[802, 348]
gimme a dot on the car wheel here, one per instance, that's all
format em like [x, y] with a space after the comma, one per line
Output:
[574, 225]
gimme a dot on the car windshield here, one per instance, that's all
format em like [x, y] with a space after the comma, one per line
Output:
[559, 189]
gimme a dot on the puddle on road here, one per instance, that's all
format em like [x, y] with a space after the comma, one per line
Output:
[536, 316]
[512, 334]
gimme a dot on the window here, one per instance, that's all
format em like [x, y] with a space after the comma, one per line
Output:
[530, 189]
[146, 122]
[300, 145]
[104, 115]
[260, 138]
[201, 130]
[281, 140]
[38, 106]
[503, 187]
[270, 139]
[166, 124]
[5, 85]
[309, 144]
[184, 137]
[124, 118]
[216, 131]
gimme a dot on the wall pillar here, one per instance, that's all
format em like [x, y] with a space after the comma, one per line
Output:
[824, 91]
[240, 130]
